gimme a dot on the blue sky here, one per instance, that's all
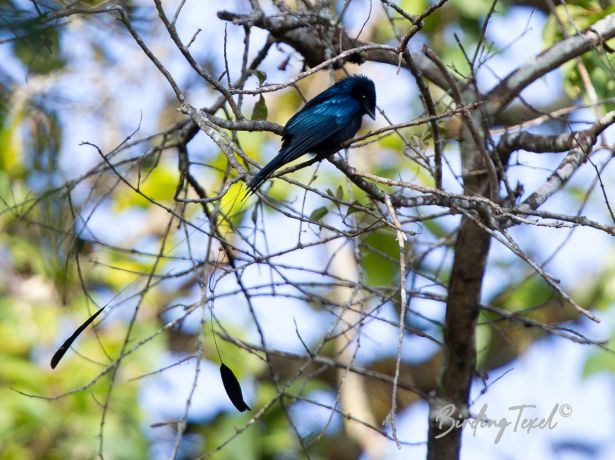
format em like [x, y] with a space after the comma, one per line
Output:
[549, 373]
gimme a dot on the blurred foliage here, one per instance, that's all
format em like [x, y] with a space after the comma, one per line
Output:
[568, 20]
[43, 291]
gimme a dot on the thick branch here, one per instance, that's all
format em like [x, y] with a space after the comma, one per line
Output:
[539, 143]
[557, 179]
[582, 143]
[462, 308]
[471, 250]
[548, 60]
[299, 33]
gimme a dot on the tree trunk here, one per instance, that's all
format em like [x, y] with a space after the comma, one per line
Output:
[464, 295]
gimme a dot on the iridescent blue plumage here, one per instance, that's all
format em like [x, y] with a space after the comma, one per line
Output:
[323, 124]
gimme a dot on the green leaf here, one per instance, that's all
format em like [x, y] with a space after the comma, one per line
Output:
[318, 214]
[600, 360]
[412, 7]
[352, 209]
[474, 9]
[379, 257]
[339, 193]
[158, 184]
[39, 51]
[262, 76]
[11, 147]
[483, 340]
[260, 109]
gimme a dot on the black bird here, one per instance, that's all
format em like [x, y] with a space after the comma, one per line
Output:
[323, 124]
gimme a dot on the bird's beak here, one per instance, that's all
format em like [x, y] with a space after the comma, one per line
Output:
[371, 113]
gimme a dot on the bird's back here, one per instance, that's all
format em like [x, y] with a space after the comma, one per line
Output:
[320, 127]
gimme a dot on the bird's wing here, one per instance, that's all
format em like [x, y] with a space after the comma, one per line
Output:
[314, 124]
[308, 128]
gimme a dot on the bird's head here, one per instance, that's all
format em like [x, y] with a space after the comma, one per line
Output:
[363, 90]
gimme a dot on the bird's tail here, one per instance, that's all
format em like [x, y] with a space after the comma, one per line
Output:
[261, 177]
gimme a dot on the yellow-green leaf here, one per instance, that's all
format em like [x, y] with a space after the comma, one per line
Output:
[260, 109]
[318, 214]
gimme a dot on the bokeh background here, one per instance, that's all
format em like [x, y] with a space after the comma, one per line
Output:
[82, 78]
